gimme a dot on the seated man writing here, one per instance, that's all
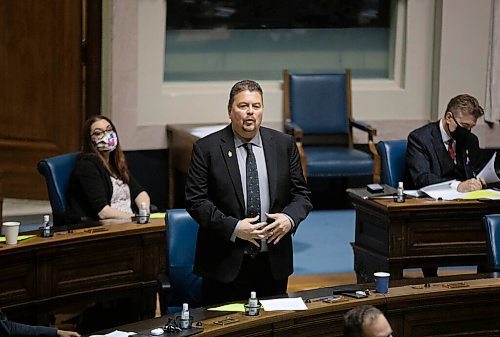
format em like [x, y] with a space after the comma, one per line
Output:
[447, 149]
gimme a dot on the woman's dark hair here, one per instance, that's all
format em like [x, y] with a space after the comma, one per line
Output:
[117, 165]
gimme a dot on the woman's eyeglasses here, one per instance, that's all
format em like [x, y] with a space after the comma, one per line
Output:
[98, 133]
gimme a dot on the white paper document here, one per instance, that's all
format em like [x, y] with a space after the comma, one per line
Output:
[415, 193]
[442, 191]
[203, 131]
[115, 333]
[488, 172]
[294, 303]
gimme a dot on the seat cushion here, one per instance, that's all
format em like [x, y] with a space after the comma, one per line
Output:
[337, 162]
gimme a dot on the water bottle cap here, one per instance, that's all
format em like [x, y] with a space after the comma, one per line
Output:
[143, 205]
[400, 184]
[185, 306]
[46, 218]
[253, 294]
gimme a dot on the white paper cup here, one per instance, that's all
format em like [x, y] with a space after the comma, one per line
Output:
[11, 231]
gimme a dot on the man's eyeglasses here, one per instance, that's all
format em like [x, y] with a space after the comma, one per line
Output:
[467, 127]
[98, 133]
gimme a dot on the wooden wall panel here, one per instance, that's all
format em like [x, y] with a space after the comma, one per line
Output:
[40, 88]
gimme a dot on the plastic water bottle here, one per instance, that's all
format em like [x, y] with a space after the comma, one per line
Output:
[46, 227]
[253, 304]
[143, 214]
[400, 194]
[184, 321]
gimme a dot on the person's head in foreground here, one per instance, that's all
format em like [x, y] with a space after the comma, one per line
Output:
[366, 321]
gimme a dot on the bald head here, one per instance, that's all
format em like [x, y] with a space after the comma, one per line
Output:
[366, 321]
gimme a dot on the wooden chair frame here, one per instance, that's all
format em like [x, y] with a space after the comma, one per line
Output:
[298, 133]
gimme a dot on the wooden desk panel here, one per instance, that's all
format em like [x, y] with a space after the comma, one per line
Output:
[40, 275]
[412, 310]
[418, 233]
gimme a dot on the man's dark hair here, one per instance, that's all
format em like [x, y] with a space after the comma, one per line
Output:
[355, 318]
[465, 103]
[243, 86]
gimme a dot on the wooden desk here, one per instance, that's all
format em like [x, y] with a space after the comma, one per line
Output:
[180, 139]
[418, 233]
[41, 275]
[412, 310]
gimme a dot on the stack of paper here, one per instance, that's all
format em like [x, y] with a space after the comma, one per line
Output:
[444, 190]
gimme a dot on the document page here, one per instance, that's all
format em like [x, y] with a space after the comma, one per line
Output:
[442, 191]
[203, 131]
[488, 172]
[295, 303]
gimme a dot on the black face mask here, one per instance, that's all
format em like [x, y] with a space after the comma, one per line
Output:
[460, 133]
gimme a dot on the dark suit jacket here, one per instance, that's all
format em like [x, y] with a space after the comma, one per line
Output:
[8, 328]
[214, 198]
[90, 188]
[428, 161]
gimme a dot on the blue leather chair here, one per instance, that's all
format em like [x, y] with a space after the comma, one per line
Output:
[57, 172]
[179, 284]
[492, 229]
[392, 161]
[317, 111]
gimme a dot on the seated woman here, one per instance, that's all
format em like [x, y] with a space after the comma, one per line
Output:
[101, 186]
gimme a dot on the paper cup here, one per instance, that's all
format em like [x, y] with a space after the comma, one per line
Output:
[11, 231]
[382, 282]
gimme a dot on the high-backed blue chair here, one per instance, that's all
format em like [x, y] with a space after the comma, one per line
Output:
[392, 161]
[492, 229]
[179, 284]
[57, 172]
[317, 111]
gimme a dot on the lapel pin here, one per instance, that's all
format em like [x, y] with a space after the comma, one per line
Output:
[230, 154]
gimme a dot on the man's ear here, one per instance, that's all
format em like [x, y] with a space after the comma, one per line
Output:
[448, 116]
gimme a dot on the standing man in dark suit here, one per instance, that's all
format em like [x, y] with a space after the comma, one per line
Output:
[447, 149]
[246, 190]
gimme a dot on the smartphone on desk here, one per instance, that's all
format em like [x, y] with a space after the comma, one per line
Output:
[375, 188]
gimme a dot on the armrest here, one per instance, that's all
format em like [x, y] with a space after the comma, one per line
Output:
[293, 129]
[164, 287]
[372, 132]
[364, 127]
[296, 131]
[163, 281]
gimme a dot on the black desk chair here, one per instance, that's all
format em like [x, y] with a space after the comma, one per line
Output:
[492, 229]
[57, 172]
[392, 161]
[179, 284]
[317, 111]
